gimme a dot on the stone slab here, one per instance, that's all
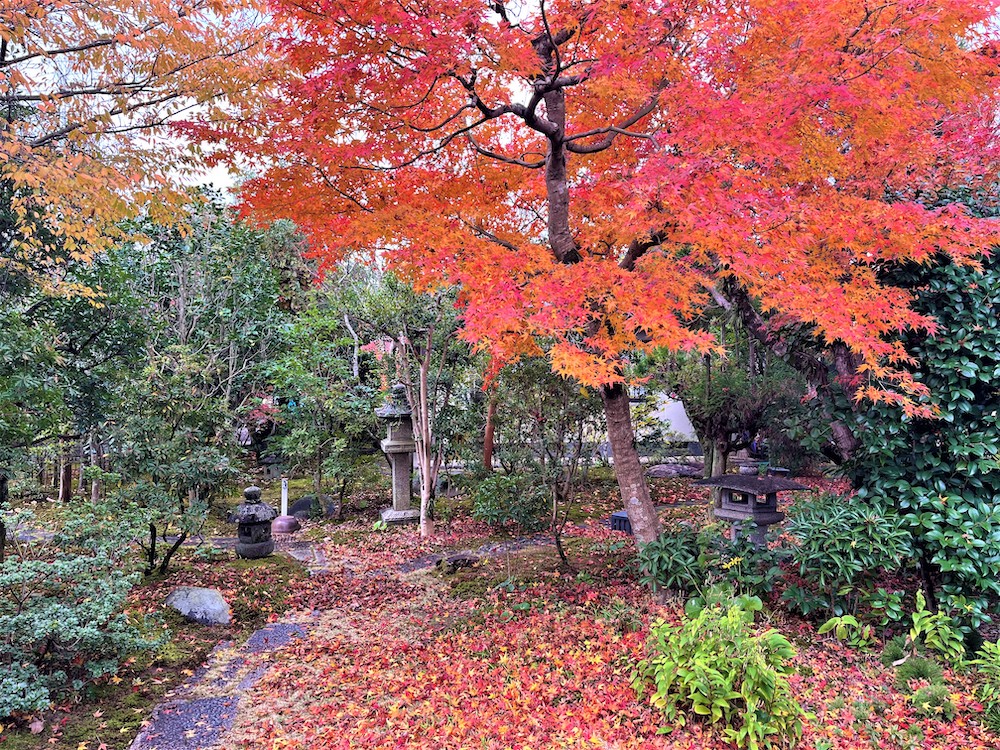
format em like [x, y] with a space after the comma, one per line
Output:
[274, 636]
[391, 516]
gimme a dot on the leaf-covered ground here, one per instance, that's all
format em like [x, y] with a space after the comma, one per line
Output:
[532, 658]
[512, 653]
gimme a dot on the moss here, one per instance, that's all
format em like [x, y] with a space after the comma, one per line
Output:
[894, 650]
[473, 588]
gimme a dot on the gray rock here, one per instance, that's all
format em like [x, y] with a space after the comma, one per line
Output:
[314, 506]
[453, 563]
[664, 471]
[205, 606]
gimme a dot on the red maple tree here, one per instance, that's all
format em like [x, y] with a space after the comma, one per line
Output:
[591, 172]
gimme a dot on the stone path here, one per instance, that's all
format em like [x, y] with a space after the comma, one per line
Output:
[199, 714]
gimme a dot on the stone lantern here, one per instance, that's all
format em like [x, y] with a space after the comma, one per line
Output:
[399, 448]
[750, 498]
[253, 519]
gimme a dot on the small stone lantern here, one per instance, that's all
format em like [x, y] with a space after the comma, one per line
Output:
[749, 498]
[253, 519]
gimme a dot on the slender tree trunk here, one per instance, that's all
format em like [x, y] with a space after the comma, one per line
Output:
[720, 460]
[3, 499]
[151, 556]
[165, 562]
[628, 470]
[66, 478]
[81, 482]
[491, 410]
[425, 447]
[95, 460]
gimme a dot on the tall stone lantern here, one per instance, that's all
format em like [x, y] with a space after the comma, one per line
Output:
[399, 448]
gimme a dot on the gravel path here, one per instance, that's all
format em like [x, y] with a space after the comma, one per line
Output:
[200, 713]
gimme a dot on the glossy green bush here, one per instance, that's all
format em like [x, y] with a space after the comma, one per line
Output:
[501, 499]
[714, 668]
[942, 473]
[839, 546]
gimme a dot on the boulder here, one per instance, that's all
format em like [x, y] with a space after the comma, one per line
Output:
[663, 471]
[205, 606]
[314, 506]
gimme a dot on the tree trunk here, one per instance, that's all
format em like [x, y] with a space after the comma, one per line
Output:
[3, 499]
[491, 411]
[628, 470]
[66, 478]
[151, 553]
[720, 460]
[81, 480]
[165, 562]
[708, 455]
[95, 460]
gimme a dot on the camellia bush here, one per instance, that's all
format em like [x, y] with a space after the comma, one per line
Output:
[942, 474]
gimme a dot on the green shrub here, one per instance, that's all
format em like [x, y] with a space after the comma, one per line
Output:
[988, 665]
[846, 628]
[841, 544]
[934, 702]
[686, 561]
[918, 668]
[942, 473]
[749, 569]
[62, 623]
[936, 631]
[714, 667]
[671, 561]
[501, 499]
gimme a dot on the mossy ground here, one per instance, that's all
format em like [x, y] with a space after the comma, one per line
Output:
[109, 714]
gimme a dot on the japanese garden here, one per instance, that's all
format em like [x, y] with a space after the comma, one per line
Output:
[499, 374]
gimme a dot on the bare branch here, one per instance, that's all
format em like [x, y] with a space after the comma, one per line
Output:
[483, 232]
[613, 131]
[506, 159]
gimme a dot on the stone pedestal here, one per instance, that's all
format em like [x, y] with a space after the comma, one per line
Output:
[399, 448]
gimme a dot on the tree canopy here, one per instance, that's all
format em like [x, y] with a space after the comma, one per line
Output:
[82, 85]
[588, 172]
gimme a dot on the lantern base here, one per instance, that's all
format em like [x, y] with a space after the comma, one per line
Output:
[285, 525]
[254, 550]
